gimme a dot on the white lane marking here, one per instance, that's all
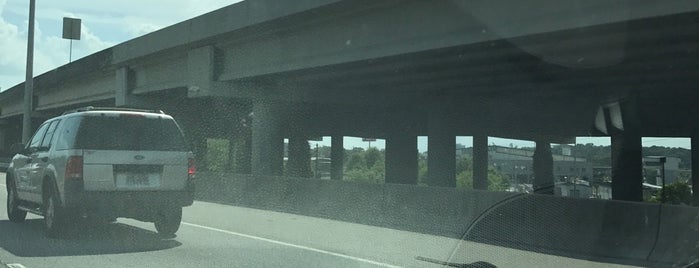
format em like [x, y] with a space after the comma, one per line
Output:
[292, 245]
[15, 265]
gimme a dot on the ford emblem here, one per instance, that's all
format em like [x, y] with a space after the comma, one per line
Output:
[139, 157]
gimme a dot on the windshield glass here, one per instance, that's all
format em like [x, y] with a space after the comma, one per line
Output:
[349, 133]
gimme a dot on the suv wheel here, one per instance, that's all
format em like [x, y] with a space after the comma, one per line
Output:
[54, 216]
[13, 211]
[167, 221]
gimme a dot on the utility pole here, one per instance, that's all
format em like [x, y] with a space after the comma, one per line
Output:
[29, 81]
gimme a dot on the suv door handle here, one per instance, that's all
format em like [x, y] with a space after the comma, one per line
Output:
[45, 159]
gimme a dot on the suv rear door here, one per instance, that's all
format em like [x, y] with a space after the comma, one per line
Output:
[132, 152]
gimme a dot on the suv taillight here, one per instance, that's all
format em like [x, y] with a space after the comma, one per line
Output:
[192, 168]
[74, 168]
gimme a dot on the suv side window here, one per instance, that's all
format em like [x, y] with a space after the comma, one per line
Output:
[46, 143]
[38, 137]
[65, 135]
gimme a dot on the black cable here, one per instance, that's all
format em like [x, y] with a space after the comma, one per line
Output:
[482, 215]
[657, 232]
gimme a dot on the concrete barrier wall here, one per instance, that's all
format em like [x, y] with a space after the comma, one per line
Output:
[620, 232]
[588, 229]
[439, 211]
[678, 236]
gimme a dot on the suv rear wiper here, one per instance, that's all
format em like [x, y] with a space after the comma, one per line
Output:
[478, 264]
[694, 264]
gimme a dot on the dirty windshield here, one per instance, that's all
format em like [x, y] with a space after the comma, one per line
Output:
[349, 133]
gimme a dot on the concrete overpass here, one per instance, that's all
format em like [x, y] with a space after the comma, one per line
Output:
[545, 71]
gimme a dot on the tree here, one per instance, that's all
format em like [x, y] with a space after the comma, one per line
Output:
[464, 177]
[299, 166]
[365, 166]
[676, 193]
[216, 154]
[355, 161]
[371, 156]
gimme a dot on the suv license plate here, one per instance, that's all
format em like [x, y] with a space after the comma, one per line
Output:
[137, 180]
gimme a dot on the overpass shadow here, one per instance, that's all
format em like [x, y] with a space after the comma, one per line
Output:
[28, 240]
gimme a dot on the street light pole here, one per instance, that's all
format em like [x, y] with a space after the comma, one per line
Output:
[29, 81]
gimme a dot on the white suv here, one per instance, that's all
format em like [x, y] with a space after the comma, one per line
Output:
[104, 163]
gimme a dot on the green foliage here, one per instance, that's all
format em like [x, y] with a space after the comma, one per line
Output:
[299, 166]
[496, 180]
[675, 193]
[365, 166]
[464, 177]
[355, 161]
[216, 154]
[371, 157]
[241, 156]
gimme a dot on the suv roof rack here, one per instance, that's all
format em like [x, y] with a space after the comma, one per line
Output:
[92, 108]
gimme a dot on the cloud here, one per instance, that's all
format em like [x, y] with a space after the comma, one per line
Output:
[12, 52]
[104, 24]
[50, 51]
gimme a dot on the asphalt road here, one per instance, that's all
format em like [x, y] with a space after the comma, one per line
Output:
[215, 235]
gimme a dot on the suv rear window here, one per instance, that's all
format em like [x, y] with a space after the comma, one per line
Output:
[131, 132]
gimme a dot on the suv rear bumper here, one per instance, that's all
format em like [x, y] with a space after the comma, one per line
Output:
[125, 203]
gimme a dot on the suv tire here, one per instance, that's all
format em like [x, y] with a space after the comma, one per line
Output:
[13, 211]
[54, 214]
[167, 221]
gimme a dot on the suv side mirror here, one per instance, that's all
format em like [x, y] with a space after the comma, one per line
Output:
[17, 148]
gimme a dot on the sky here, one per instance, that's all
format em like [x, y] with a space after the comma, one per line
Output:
[104, 24]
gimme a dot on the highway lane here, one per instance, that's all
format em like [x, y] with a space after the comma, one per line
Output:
[215, 235]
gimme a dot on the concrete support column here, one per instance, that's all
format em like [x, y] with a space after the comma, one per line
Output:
[627, 167]
[337, 155]
[480, 162]
[267, 139]
[299, 163]
[623, 125]
[124, 83]
[441, 158]
[195, 132]
[202, 72]
[441, 145]
[401, 159]
[695, 170]
[543, 169]
[4, 147]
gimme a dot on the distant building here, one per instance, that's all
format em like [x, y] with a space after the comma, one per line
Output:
[653, 168]
[517, 164]
[574, 188]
